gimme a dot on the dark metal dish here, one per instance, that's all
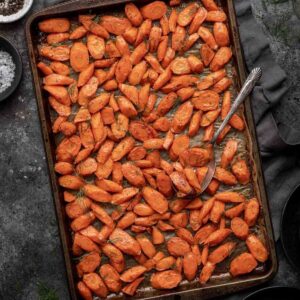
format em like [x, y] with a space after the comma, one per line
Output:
[6, 45]
[222, 283]
[290, 229]
[274, 293]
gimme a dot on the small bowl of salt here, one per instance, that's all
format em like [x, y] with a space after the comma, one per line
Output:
[10, 68]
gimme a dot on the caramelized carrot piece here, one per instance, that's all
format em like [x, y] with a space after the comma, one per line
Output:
[115, 25]
[124, 147]
[125, 242]
[78, 33]
[242, 264]
[162, 48]
[257, 248]
[217, 211]
[185, 234]
[54, 25]
[157, 236]
[168, 58]
[88, 263]
[82, 221]
[46, 70]
[130, 289]
[206, 100]
[237, 122]
[173, 20]
[241, 171]
[59, 53]
[192, 178]
[190, 266]
[146, 245]
[137, 73]
[195, 204]
[123, 69]
[209, 117]
[164, 24]
[240, 228]
[208, 38]
[96, 284]
[198, 19]
[154, 38]
[177, 246]
[165, 280]
[221, 34]
[138, 53]
[208, 133]
[125, 195]
[216, 16]
[154, 10]
[251, 211]
[210, 5]
[79, 57]
[206, 272]
[182, 117]
[133, 14]
[165, 263]
[133, 273]
[115, 256]
[178, 38]
[178, 265]
[60, 68]
[221, 253]
[186, 16]
[130, 35]
[221, 58]
[84, 291]
[230, 197]
[225, 176]
[111, 278]
[155, 199]
[162, 79]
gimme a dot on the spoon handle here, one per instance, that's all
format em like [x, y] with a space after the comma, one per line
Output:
[247, 87]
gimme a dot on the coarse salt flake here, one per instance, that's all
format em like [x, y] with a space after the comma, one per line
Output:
[7, 70]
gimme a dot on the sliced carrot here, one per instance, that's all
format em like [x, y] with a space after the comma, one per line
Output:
[186, 16]
[55, 25]
[208, 38]
[221, 58]
[198, 19]
[154, 10]
[178, 38]
[133, 14]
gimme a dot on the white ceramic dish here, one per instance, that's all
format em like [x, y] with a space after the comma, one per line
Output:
[18, 15]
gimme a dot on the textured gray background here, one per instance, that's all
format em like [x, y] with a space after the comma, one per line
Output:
[30, 253]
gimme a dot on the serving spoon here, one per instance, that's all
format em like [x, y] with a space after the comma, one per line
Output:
[246, 89]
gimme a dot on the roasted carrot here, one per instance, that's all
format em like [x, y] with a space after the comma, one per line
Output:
[96, 284]
[133, 14]
[251, 211]
[54, 25]
[130, 289]
[240, 228]
[154, 10]
[190, 266]
[177, 246]
[242, 264]
[186, 16]
[206, 272]
[166, 279]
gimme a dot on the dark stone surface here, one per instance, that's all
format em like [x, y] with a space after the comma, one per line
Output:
[30, 252]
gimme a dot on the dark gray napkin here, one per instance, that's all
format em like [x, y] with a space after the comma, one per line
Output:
[280, 159]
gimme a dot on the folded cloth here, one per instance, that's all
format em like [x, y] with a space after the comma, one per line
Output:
[281, 163]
